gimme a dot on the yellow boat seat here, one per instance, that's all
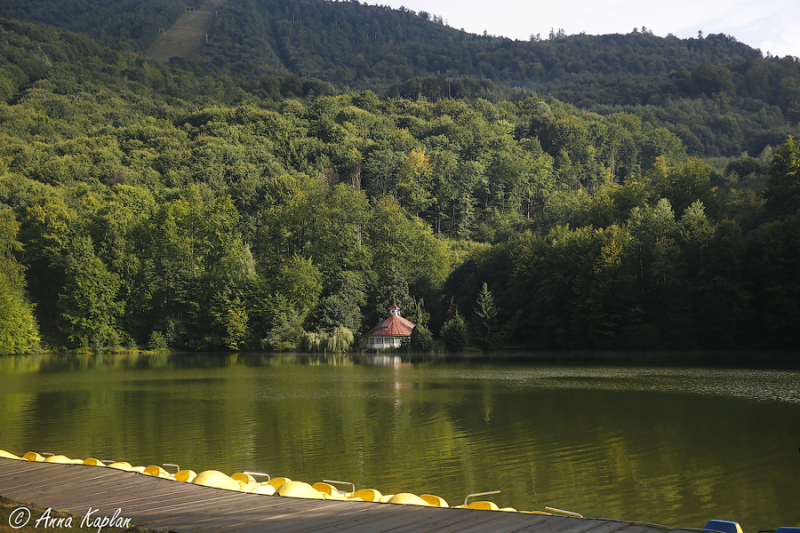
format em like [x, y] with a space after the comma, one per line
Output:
[139, 469]
[245, 478]
[326, 488]
[122, 465]
[187, 476]
[59, 459]
[508, 509]
[436, 501]
[278, 481]
[485, 505]
[368, 495]
[7, 455]
[406, 498]
[156, 471]
[266, 489]
[386, 497]
[213, 478]
[94, 462]
[298, 489]
[33, 456]
[247, 487]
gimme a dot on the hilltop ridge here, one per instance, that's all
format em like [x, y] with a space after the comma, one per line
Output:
[360, 45]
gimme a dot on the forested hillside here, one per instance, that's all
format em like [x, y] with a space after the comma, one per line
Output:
[719, 96]
[143, 205]
[367, 46]
[134, 23]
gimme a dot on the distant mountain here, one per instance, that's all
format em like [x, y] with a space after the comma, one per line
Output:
[718, 95]
[349, 43]
[354, 44]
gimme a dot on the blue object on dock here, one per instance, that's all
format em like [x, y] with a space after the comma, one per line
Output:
[723, 526]
[788, 530]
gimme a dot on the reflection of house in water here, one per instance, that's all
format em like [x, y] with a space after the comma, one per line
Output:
[386, 360]
[390, 333]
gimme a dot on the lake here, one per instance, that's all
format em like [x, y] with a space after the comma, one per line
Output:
[672, 445]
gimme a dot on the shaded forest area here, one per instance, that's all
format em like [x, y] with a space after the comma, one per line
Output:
[147, 205]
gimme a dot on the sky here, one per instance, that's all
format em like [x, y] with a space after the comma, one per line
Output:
[769, 25]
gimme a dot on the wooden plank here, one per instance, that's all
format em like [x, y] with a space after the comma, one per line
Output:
[480, 520]
[141, 499]
[224, 522]
[12, 466]
[637, 528]
[94, 485]
[405, 516]
[431, 522]
[206, 515]
[157, 502]
[567, 524]
[196, 513]
[173, 503]
[457, 518]
[189, 511]
[56, 479]
[306, 519]
[467, 518]
[88, 492]
[351, 515]
[600, 525]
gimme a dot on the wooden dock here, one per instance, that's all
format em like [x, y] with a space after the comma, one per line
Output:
[166, 504]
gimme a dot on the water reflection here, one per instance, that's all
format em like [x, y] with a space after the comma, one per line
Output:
[672, 445]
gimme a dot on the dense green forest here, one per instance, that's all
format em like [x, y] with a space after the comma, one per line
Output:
[367, 45]
[135, 23]
[153, 205]
[719, 96]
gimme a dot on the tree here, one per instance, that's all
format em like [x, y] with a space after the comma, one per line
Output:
[338, 340]
[421, 339]
[46, 230]
[88, 303]
[654, 261]
[783, 191]
[415, 182]
[485, 327]
[687, 183]
[300, 281]
[201, 265]
[235, 325]
[342, 306]
[18, 329]
[454, 334]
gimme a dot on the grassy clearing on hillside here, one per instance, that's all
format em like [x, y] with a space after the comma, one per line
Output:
[187, 36]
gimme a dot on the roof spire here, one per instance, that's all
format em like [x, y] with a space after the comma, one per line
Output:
[394, 310]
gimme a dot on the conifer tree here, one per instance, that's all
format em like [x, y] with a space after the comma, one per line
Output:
[486, 327]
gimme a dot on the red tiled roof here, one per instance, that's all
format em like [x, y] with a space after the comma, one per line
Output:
[394, 326]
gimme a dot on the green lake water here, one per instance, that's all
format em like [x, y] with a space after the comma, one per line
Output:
[675, 446]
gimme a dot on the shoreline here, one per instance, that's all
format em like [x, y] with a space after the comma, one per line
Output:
[511, 355]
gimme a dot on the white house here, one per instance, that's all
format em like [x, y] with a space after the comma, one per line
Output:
[390, 333]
